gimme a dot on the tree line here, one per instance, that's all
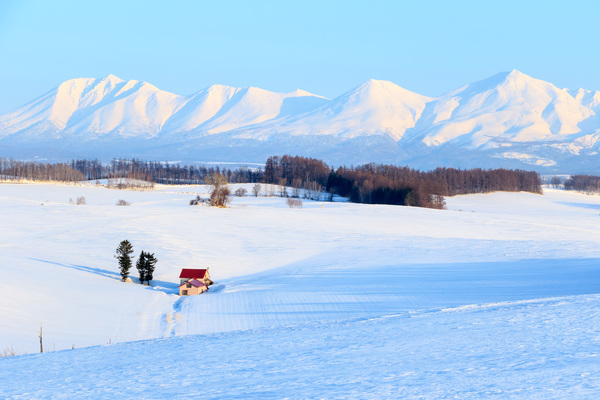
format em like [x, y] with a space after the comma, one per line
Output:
[390, 184]
[369, 183]
[583, 183]
[162, 172]
[13, 170]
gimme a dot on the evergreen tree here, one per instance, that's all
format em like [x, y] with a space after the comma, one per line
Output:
[141, 266]
[150, 265]
[123, 251]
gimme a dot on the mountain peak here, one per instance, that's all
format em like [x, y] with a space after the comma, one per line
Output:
[380, 92]
[506, 79]
[112, 79]
[518, 76]
[377, 83]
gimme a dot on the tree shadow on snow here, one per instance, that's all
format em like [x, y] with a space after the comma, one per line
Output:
[163, 286]
[83, 268]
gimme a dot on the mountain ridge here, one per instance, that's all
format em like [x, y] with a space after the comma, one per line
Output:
[507, 119]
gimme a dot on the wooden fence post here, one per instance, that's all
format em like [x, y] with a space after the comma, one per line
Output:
[41, 340]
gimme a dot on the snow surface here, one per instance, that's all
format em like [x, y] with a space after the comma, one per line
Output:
[495, 297]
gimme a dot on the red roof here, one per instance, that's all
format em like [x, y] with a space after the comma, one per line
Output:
[187, 273]
[193, 282]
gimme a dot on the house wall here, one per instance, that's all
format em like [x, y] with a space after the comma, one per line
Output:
[191, 291]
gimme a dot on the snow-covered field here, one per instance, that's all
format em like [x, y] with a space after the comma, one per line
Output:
[495, 297]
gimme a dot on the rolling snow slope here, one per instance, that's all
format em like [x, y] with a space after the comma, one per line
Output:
[495, 297]
[541, 349]
[274, 265]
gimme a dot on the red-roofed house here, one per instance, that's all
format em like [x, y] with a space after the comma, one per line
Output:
[193, 281]
[192, 287]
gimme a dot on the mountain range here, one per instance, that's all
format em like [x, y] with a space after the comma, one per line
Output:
[508, 120]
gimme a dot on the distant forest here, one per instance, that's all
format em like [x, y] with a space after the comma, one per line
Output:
[389, 184]
[369, 183]
[11, 170]
[583, 183]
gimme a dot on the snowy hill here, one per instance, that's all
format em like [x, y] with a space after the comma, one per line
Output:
[485, 299]
[509, 120]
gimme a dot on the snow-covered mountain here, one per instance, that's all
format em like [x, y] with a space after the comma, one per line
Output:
[509, 120]
[91, 108]
[508, 107]
[373, 108]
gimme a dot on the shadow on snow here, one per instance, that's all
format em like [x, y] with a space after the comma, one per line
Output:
[163, 286]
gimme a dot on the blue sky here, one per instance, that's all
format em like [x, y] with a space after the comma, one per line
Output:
[325, 47]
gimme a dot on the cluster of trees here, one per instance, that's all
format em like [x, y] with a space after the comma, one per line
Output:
[159, 172]
[388, 184]
[297, 172]
[145, 264]
[583, 183]
[556, 181]
[384, 184]
[11, 170]
[452, 181]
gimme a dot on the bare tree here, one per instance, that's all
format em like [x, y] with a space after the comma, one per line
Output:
[282, 187]
[555, 181]
[241, 192]
[256, 189]
[220, 195]
[294, 203]
[296, 186]
[8, 352]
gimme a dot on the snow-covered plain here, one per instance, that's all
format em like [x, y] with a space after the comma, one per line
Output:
[495, 297]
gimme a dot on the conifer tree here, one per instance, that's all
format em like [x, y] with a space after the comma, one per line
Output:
[150, 265]
[141, 266]
[123, 251]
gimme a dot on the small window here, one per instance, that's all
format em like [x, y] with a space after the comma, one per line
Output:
[189, 285]
[185, 293]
